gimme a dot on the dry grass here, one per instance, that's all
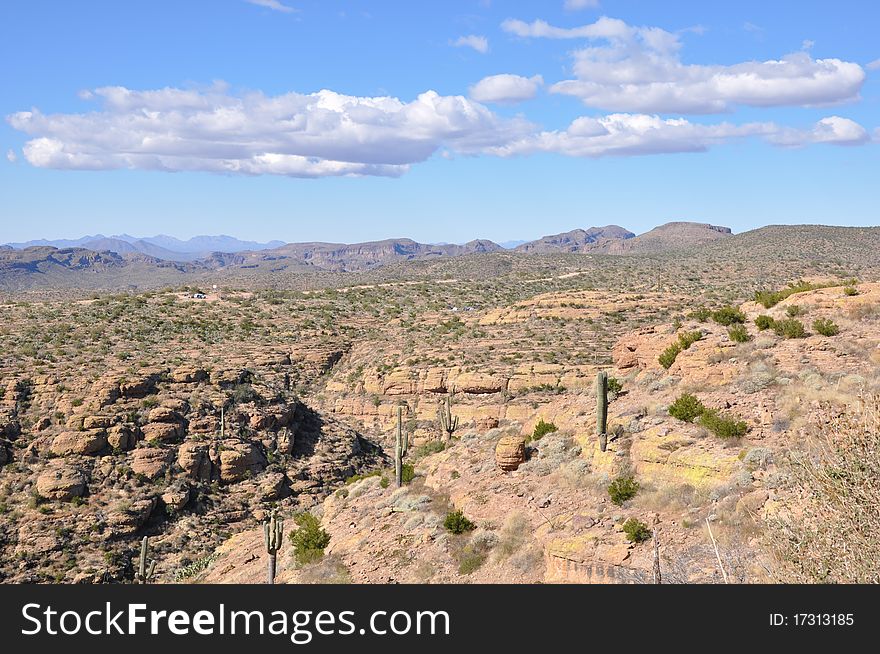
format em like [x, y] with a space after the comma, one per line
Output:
[830, 533]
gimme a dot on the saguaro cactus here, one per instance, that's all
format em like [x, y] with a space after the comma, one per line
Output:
[448, 422]
[602, 409]
[273, 536]
[399, 449]
[145, 570]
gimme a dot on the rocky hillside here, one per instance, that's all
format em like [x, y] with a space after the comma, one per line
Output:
[551, 519]
[594, 239]
[671, 237]
[186, 454]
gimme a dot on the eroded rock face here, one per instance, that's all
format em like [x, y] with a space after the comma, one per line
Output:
[151, 462]
[195, 459]
[161, 432]
[510, 452]
[239, 460]
[79, 442]
[61, 482]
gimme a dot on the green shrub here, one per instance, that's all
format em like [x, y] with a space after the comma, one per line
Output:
[407, 473]
[685, 340]
[826, 327]
[457, 523]
[850, 290]
[686, 407]
[728, 316]
[763, 322]
[356, 478]
[738, 333]
[309, 540]
[429, 448]
[669, 355]
[723, 426]
[542, 429]
[614, 385]
[622, 489]
[636, 531]
[793, 311]
[700, 315]
[790, 328]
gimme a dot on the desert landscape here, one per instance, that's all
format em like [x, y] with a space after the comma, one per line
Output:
[191, 402]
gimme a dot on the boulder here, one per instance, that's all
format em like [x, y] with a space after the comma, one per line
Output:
[510, 452]
[176, 497]
[151, 462]
[79, 442]
[121, 437]
[239, 460]
[161, 432]
[61, 482]
[196, 462]
[97, 422]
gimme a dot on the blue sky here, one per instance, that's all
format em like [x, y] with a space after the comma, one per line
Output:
[439, 121]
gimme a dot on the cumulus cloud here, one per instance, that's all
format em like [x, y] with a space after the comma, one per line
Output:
[11, 157]
[506, 88]
[299, 135]
[642, 134]
[639, 69]
[275, 5]
[577, 5]
[834, 130]
[630, 134]
[478, 43]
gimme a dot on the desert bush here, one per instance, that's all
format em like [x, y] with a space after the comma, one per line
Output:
[309, 540]
[685, 340]
[790, 328]
[700, 315]
[429, 448]
[728, 316]
[622, 489]
[763, 322]
[850, 290]
[686, 407]
[407, 473]
[793, 311]
[772, 298]
[542, 429]
[738, 333]
[636, 531]
[723, 426]
[457, 523]
[614, 385]
[826, 327]
[834, 536]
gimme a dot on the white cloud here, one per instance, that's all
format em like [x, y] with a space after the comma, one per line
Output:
[576, 5]
[11, 157]
[874, 65]
[641, 134]
[275, 5]
[478, 43]
[314, 135]
[505, 88]
[638, 69]
[630, 134]
[833, 130]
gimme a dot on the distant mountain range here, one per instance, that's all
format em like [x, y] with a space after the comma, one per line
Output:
[139, 261]
[162, 247]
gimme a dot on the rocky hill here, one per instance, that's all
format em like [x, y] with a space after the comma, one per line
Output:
[551, 519]
[671, 237]
[595, 239]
